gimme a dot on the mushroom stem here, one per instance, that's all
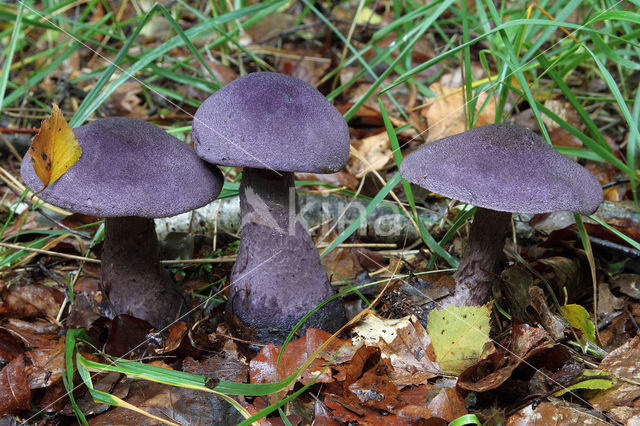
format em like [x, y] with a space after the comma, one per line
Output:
[277, 278]
[135, 281]
[481, 256]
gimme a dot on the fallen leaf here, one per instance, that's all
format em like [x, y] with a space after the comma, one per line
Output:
[46, 365]
[446, 113]
[621, 328]
[608, 304]
[497, 367]
[172, 403]
[404, 342]
[448, 405]
[561, 415]
[15, 392]
[218, 367]
[458, 334]
[595, 383]
[375, 389]
[578, 317]
[37, 334]
[177, 331]
[371, 153]
[623, 362]
[551, 322]
[262, 368]
[619, 402]
[628, 284]
[54, 149]
[31, 300]
[10, 348]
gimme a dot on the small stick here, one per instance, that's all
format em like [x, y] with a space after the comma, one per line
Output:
[49, 252]
[18, 130]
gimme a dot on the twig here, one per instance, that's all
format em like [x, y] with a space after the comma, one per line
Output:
[18, 130]
[49, 252]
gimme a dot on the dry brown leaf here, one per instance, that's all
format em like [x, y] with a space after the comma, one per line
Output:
[495, 369]
[46, 365]
[176, 333]
[623, 362]
[31, 300]
[15, 392]
[561, 415]
[404, 342]
[125, 100]
[620, 402]
[262, 368]
[54, 149]
[371, 153]
[446, 113]
[448, 405]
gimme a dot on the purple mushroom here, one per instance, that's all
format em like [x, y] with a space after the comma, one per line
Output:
[500, 168]
[130, 172]
[273, 125]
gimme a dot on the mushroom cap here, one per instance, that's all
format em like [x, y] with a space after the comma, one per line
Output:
[503, 167]
[129, 167]
[271, 121]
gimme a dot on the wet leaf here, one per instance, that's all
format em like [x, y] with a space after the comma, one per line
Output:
[45, 365]
[458, 334]
[54, 149]
[15, 392]
[31, 300]
[10, 348]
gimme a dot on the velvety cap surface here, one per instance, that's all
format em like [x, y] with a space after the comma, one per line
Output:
[271, 121]
[130, 167]
[503, 167]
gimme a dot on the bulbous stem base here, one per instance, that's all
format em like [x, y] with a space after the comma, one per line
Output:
[277, 278]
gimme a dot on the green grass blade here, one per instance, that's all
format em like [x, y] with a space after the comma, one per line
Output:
[4, 78]
[633, 243]
[71, 338]
[424, 233]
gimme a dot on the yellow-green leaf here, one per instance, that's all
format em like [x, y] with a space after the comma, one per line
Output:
[578, 317]
[54, 149]
[596, 383]
[458, 335]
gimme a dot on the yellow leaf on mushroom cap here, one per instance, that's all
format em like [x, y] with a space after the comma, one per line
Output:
[54, 149]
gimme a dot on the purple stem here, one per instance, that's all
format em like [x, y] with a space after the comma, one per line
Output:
[277, 278]
[135, 281]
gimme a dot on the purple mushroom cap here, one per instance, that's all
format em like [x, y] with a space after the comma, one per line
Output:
[503, 167]
[129, 167]
[271, 121]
